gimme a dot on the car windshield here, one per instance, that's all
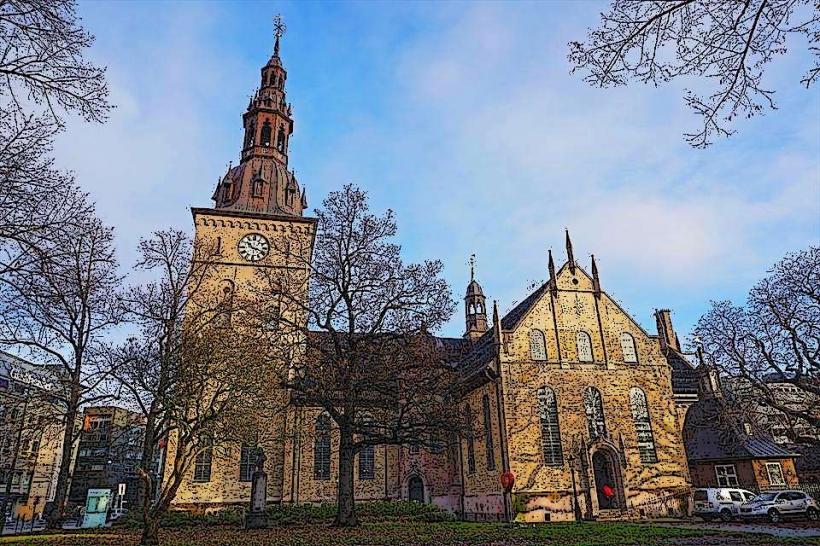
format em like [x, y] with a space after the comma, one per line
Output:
[765, 497]
[700, 495]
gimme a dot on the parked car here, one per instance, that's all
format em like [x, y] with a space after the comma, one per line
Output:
[720, 502]
[777, 505]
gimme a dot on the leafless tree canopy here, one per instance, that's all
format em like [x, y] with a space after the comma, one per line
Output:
[357, 347]
[773, 338]
[730, 42]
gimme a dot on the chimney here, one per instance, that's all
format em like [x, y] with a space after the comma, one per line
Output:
[668, 337]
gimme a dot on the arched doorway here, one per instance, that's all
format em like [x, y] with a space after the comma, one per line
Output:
[608, 486]
[416, 489]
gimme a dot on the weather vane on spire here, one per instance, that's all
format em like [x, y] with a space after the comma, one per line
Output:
[279, 29]
[472, 267]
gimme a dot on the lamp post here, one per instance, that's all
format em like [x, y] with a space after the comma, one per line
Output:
[576, 510]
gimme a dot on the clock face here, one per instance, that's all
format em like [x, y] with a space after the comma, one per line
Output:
[253, 247]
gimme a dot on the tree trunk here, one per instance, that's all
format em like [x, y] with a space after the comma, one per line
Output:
[346, 507]
[145, 488]
[150, 530]
[55, 512]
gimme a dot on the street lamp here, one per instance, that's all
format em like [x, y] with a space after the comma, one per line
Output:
[575, 508]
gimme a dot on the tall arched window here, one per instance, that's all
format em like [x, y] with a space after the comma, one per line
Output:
[584, 347]
[594, 408]
[643, 426]
[538, 345]
[250, 132]
[470, 443]
[202, 465]
[488, 432]
[367, 454]
[321, 448]
[225, 304]
[628, 348]
[280, 140]
[266, 134]
[550, 433]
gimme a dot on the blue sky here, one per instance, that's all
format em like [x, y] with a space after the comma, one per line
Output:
[464, 119]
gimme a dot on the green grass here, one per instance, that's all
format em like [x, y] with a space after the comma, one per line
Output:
[421, 534]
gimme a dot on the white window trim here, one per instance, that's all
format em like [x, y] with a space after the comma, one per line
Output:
[727, 475]
[769, 473]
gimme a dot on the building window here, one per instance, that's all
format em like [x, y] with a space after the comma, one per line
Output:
[488, 432]
[247, 462]
[280, 140]
[538, 345]
[367, 463]
[266, 134]
[321, 448]
[584, 347]
[628, 348]
[643, 427]
[594, 408]
[225, 305]
[470, 442]
[775, 472]
[550, 433]
[202, 465]
[726, 475]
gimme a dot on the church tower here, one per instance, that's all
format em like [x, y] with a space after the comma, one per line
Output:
[475, 308]
[255, 226]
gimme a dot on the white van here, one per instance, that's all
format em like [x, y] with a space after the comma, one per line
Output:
[720, 502]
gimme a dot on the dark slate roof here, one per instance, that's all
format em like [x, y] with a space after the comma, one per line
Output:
[480, 354]
[511, 319]
[710, 433]
[684, 376]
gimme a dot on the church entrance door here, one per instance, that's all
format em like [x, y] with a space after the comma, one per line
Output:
[607, 480]
[416, 487]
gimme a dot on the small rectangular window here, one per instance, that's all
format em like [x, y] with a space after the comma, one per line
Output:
[735, 496]
[202, 466]
[775, 472]
[247, 461]
[726, 475]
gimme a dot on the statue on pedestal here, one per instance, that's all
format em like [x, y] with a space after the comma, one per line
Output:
[257, 518]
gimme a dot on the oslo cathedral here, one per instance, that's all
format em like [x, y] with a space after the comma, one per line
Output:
[569, 392]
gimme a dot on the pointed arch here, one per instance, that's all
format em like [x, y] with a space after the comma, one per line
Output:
[280, 139]
[538, 345]
[321, 447]
[643, 425]
[628, 348]
[550, 431]
[266, 134]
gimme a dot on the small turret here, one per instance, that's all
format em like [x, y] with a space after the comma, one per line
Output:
[596, 280]
[570, 256]
[553, 280]
[475, 309]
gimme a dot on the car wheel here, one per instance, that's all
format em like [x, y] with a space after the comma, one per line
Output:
[725, 515]
[774, 516]
[813, 514]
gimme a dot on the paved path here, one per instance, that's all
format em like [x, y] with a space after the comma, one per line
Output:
[798, 530]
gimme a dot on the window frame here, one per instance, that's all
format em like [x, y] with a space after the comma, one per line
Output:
[322, 447]
[596, 428]
[537, 336]
[551, 445]
[644, 435]
[247, 462]
[470, 441]
[367, 464]
[583, 334]
[203, 465]
[633, 345]
[779, 470]
[489, 444]
[727, 475]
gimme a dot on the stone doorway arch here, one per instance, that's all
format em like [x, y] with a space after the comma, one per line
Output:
[606, 471]
[415, 489]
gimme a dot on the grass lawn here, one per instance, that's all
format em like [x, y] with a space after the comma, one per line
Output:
[420, 534]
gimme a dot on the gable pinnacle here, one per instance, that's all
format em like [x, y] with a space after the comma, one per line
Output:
[570, 256]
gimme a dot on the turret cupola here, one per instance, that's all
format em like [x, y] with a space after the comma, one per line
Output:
[475, 307]
[262, 181]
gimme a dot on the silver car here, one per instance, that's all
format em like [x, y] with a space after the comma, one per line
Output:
[777, 505]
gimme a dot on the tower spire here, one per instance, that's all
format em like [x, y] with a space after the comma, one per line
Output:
[475, 307]
[570, 256]
[279, 29]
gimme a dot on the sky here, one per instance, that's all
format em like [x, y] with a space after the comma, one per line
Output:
[465, 120]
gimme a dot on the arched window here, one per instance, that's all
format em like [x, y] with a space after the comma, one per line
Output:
[250, 132]
[247, 462]
[488, 432]
[256, 188]
[280, 140]
[225, 304]
[584, 347]
[594, 408]
[266, 134]
[202, 465]
[470, 443]
[550, 433]
[367, 454]
[538, 345]
[628, 348]
[643, 427]
[321, 448]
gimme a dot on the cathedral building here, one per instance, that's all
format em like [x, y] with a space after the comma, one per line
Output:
[566, 391]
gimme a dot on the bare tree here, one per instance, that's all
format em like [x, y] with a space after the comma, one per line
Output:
[357, 346]
[187, 371]
[729, 42]
[59, 308]
[773, 340]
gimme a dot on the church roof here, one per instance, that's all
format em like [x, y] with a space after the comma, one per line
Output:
[684, 376]
[711, 433]
[511, 319]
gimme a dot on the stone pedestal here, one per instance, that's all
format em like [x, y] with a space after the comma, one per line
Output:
[257, 518]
